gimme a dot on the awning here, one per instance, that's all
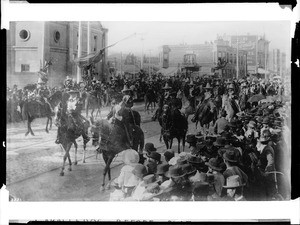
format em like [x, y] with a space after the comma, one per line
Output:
[168, 71]
[262, 71]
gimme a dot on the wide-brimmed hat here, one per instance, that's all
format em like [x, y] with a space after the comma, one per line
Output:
[162, 169]
[234, 181]
[231, 86]
[140, 170]
[230, 156]
[149, 179]
[182, 161]
[155, 155]
[149, 147]
[173, 161]
[166, 87]
[201, 189]
[208, 86]
[126, 89]
[252, 124]
[195, 160]
[191, 138]
[214, 164]
[175, 172]
[188, 169]
[217, 83]
[131, 156]
[169, 154]
[221, 141]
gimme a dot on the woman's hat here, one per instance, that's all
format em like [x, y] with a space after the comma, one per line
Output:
[265, 136]
[131, 156]
[191, 138]
[139, 170]
[173, 161]
[175, 172]
[166, 87]
[220, 142]
[188, 169]
[214, 164]
[162, 169]
[234, 181]
[230, 156]
[182, 161]
[149, 147]
[155, 155]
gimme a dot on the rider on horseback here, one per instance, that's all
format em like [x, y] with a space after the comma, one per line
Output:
[42, 93]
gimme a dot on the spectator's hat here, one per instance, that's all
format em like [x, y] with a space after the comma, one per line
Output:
[169, 154]
[217, 83]
[162, 169]
[155, 155]
[231, 86]
[130, 156]
[149, 179]
[173, 161]
[230, 156]
[175, 172]
[191, 138]
[191, 83]
[214, 164]
[182, 161]
[234, 181]
[200, 189]
[265, 136]
[220, 142]
[188, 169]
[40, 81]
[149, 147]
[195, 160]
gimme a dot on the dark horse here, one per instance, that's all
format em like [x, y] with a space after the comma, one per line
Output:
[70, 130]
[150, 99]
[32, 109]
[114, 140]
[174, 125]
[92, 100]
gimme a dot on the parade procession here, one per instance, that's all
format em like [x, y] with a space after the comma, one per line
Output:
[105, 122]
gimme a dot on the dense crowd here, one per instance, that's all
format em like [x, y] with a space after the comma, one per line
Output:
[245, 157]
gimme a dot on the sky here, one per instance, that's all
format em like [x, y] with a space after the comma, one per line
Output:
[156, 34]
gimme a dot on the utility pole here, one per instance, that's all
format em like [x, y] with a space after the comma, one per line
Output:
[121, 65]
[237, 57]
[79, 52]
[88, 47]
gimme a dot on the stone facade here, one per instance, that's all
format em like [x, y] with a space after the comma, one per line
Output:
[30, 44]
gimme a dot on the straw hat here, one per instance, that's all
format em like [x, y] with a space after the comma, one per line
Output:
[234, 181]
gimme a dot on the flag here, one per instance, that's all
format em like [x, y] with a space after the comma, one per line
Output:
[90, 59]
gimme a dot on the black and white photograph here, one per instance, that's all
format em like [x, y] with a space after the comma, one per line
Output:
[148, 111]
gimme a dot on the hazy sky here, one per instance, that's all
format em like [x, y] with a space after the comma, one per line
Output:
[156, 34]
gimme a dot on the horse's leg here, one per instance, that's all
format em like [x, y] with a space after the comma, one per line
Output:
[178, 139]
[84, 152]
[50, 118]
[28, 130]
[108, 171]
[31, 132]
[183, 142]
[76, 147]
[68, 146]
[69, 158]
[106, 160]
[86, 107]
[47, 125]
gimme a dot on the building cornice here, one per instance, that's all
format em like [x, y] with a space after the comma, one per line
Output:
[59, 49]
[20, 48]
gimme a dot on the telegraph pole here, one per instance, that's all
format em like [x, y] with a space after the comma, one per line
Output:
[237, 57]
[88, 44]
[79, 52]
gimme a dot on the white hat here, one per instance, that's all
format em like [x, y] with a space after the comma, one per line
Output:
[40, 81]
[131, 157]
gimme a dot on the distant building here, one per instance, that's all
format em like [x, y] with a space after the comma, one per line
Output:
[257, 49]
[208, 56]
[30, 44]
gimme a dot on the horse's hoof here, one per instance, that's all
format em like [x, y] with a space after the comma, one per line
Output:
[32, 134]
[70, 169]
[47, 131]
[26, 133]
[62, 173]
[75, 163]
[83, 161]
[102, 188]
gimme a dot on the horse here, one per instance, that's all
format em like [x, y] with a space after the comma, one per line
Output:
[187, 108]
[205, 114]
[230, 106]
[150, 99]
[174, 125]
[114, 140]
[69, 130]
[92, 100]
[32, 109]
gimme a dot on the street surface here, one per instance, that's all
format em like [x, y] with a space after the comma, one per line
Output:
[34, 162]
